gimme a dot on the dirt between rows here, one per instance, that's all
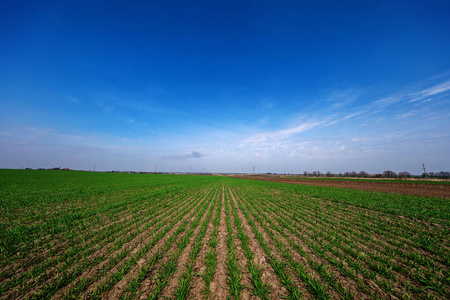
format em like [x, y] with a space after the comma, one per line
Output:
[419, 189]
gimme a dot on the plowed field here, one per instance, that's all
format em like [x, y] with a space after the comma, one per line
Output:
[433, 189]
[74, 235]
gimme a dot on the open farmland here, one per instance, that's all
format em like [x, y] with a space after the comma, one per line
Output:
[439, 189]
[74, 235]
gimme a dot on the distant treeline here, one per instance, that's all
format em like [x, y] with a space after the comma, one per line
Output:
[130, 172]
[385, 174]
[361, 174]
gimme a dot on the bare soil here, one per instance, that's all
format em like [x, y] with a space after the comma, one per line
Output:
[218, 285]
[409, 188]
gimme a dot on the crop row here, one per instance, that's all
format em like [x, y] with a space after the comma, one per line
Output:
[331, 248]
[190, 237]
[53, 268]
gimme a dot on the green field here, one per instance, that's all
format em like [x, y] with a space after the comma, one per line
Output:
[75, 235]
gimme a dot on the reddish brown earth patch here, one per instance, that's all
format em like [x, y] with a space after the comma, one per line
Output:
[419, 189]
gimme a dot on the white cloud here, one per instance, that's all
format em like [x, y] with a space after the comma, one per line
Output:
[354, 114]
[389, 100]
[344, 97]
[411, 113]
[318, 138]
[75, 100]
[437, 89]
[281, 134]
[104, 107]
[412, 95]
[331, 123]
[426, 100]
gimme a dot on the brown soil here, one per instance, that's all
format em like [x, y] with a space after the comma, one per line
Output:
[341, 279]
[410, 188]
[218, 285]
[278, 256]
[183, 260]
[260, 259]
[198, 284]
[148, 285]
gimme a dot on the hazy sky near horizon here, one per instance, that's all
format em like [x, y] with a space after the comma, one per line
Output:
[222, 86]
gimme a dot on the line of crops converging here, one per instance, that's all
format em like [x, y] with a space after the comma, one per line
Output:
[86, 235]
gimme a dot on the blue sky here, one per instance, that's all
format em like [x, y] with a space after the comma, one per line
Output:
[220, 86]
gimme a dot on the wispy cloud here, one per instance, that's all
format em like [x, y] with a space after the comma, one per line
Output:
[105, 107]
[376, 139]
[412, 95]
[75, 100]
[410, 113]
[356, 127]
[389, 100]
[354, 114]
[344, 97]
[281, 134]
[437, 89]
